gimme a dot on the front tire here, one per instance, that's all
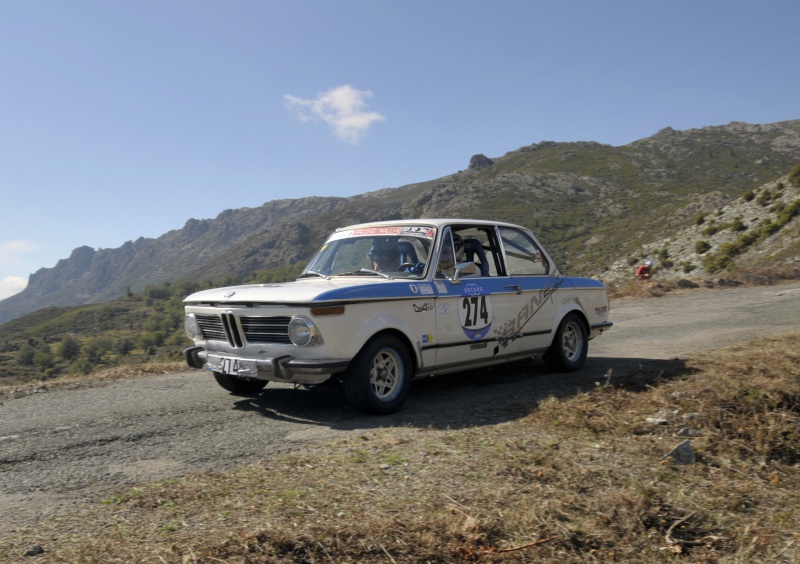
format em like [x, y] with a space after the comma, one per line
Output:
[235, 385]
[568, 351]
[378, 380]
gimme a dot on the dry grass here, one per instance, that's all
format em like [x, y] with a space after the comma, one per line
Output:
[16, 390]
[579, 479]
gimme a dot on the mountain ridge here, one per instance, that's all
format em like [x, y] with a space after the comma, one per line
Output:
[590, 203]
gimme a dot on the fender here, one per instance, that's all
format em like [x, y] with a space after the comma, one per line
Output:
[384, 321]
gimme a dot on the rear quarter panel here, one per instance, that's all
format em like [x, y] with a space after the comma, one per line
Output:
[585, 295]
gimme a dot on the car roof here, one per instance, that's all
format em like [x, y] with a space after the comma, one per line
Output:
[434, 222]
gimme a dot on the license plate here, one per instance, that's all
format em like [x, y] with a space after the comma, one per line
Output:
[229, 366]
[233, 366]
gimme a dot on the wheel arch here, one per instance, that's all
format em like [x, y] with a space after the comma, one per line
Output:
[413, 353]
[567, 309]
[568, 350]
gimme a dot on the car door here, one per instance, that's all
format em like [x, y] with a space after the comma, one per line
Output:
[470, 307]
[536, 281]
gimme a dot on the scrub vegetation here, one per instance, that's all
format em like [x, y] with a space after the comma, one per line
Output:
[137, 332]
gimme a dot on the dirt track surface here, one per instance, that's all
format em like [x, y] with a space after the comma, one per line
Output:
[64, 447]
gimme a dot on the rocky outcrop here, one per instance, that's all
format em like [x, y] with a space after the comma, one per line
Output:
[480, 162]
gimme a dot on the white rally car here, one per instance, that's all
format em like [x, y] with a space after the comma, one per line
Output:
[382, 303]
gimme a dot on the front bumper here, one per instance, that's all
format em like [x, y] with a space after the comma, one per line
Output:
[286, 368]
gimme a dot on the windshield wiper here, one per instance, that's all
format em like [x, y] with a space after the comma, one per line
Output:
[366, 271]
[379, 273]
[308, 273]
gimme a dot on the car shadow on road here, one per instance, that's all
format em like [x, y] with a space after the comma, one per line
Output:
[464, 399]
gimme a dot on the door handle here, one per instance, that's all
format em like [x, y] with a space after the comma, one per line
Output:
[515, 286]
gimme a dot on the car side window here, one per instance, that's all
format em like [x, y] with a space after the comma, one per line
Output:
[478, 248]
[523, 256]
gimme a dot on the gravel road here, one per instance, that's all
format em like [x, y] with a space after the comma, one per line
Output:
[65, 447]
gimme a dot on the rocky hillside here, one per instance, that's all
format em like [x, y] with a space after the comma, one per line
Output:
[592, 205]
[758, 229]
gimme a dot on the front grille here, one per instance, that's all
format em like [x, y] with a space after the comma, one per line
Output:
[266, 329]
[211, 327]
[223, 327]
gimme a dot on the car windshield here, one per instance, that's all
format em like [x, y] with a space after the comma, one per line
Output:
[400, 251]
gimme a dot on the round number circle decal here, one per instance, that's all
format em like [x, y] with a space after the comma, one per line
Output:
[476, 315]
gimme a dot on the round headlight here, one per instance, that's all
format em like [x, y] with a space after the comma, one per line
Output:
[191, 327]
[302, 332]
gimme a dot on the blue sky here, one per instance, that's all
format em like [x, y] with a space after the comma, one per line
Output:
[121, 120]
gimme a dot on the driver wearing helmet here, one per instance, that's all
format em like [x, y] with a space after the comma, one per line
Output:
[383, 256]
[452, 254]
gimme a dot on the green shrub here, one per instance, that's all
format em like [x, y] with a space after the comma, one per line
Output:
[767, 227]
[748, 196]
[794, 176]
[721, 260]
[124, 346]
[787, 213]
[24, 356]
[157, 292]
[738, 225]
[178, 339]
[747, 239]
[701, 247]
[95, 350]
[43, 359]
[81, 366]
[69, 348]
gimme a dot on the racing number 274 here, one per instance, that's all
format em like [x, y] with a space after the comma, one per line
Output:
[476, 309]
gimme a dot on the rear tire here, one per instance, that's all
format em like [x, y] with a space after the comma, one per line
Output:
[378, 380]
[568, 351]
[240, 386]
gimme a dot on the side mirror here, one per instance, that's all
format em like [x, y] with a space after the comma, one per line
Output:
[466, 268]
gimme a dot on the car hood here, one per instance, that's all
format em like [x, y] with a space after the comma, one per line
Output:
[312, 290]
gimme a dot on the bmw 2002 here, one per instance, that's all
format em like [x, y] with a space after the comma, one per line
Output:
[382, 303]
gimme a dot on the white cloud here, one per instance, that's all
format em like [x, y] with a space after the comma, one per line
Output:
[11, 260]
[11, 285]
[12, 249]
[342, 108]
